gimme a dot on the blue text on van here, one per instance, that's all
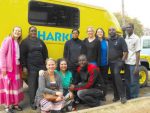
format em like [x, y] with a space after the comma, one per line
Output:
[56, 36]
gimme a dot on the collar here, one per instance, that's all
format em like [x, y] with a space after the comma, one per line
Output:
[114, 38]
[130, 37]
[75, 39]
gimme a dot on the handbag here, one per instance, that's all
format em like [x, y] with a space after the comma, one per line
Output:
[50, 97]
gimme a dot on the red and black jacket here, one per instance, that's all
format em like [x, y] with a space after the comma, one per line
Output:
[89, 77]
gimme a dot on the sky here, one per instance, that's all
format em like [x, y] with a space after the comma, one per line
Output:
[139, 9]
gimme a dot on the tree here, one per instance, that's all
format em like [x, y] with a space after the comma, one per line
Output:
[137, 24]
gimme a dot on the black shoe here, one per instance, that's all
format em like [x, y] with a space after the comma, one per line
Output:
[33, 106]
[17, 107]
[103, 99]
[115, 99]
[123, 100]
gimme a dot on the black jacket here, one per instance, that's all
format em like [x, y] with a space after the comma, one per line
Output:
[33, 53]
[72, 50]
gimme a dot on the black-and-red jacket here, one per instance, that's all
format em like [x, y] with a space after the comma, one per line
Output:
[89, 77]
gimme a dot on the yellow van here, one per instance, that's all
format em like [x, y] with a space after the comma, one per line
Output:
[54, 19]
[145, 60]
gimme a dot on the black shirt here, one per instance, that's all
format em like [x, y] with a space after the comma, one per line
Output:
[93, 50]
[117, 46]
[33, 53]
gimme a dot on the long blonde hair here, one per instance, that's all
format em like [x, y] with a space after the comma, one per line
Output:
[50, 59]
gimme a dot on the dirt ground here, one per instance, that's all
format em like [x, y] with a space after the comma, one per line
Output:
[26, 108]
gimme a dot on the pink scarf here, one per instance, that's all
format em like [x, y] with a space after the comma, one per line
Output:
[12, 75]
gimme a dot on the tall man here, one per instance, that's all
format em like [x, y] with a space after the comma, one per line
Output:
[117, 54]
[132, 62]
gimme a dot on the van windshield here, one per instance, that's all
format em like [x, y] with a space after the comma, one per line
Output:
[146, 43]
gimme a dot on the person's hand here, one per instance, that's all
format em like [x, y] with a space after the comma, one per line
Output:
[71, 95]
[59, 99]
[4, 73]
[25, 70]
[42, 72]
[136, 70]
[71, 87]
[59, 93]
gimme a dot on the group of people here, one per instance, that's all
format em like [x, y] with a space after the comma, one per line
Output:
[59, 86]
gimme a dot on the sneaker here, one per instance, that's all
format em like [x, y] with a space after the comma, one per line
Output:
[76, 101]
[9, 110]
[123, 100]
[69, 108]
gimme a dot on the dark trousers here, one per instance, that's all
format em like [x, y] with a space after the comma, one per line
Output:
[65, 91]
[74, 75]
[118, 85]
[90, 96]
[33, 84]
[104, 73]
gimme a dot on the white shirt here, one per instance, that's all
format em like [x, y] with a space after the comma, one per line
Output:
[134, 45]
[17, 52]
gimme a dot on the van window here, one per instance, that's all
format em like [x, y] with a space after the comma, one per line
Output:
[47, 14]
[146, 43]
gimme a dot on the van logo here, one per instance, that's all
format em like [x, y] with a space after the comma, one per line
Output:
[54, 37]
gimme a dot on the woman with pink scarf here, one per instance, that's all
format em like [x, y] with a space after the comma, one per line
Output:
[10, 72]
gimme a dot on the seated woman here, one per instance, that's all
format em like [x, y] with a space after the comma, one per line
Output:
[66, 77]
[49, 95]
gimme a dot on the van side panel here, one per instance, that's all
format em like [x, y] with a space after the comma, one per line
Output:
[15, 12]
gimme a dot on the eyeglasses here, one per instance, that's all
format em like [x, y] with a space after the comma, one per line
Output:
[82, 60]
[128, 27]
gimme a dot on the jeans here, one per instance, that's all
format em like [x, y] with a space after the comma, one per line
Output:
[132, 82]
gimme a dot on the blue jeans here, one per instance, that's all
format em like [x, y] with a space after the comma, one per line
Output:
[132, 82]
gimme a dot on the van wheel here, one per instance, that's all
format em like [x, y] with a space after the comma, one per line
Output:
[143, 72]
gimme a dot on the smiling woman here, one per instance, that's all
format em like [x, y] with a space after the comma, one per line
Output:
[10, 72]
[33, 55]
[49, 95]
